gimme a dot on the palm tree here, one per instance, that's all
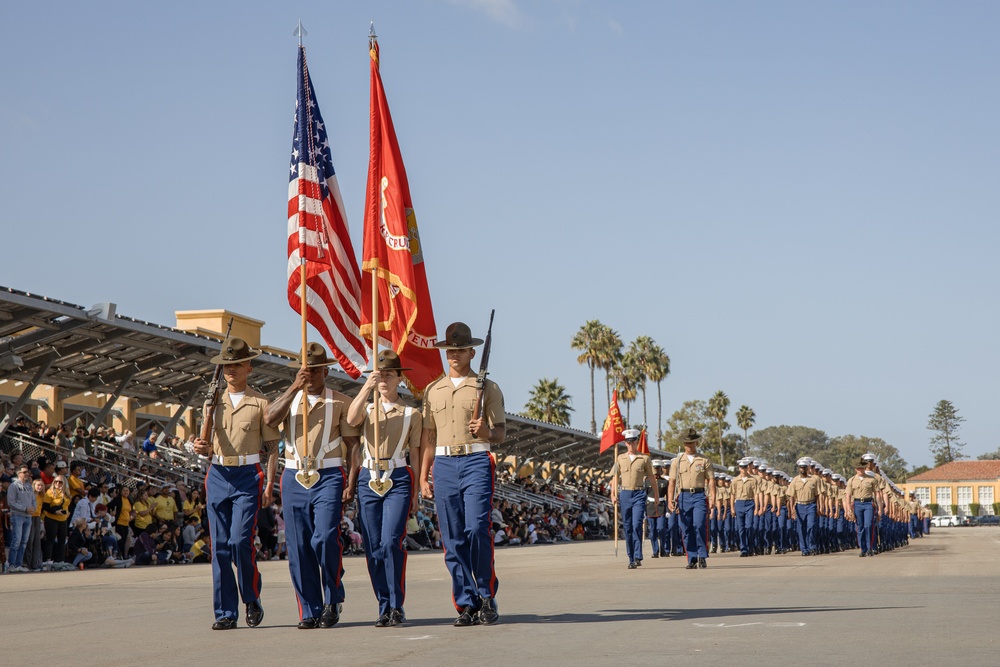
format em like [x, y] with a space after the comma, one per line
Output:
[549, 402]
[657, 370]
[624, 379]
[718, 407]
[745, 418]
[642, 351]
[610, 356]
[589, 340]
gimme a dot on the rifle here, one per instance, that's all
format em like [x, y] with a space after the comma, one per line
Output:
[483, 366]
[208, 419]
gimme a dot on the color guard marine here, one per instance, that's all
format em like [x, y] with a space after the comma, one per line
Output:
[314, 487]
[236, 486]
[455, 447]
[385, 484]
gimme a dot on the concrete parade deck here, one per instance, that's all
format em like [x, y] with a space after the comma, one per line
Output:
[933, 602]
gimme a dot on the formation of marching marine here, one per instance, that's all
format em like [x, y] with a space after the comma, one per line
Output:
[691, 510]
[331, 457]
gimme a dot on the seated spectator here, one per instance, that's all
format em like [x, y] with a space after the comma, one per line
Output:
[192, 529]
[143, 509]
[500, 538]
[201, 550]
[149, 447]
[145, 547]
[164, 506]
[77, 545]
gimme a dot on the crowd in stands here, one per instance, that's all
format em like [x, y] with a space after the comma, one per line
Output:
[103, 499]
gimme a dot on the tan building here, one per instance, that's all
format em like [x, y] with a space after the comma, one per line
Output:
[973, 487]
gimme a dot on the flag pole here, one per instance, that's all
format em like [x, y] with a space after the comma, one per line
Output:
[375, 396]
[616, 504]
[304, 455]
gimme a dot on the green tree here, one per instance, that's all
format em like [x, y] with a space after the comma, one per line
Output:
[782, 446]
[718, 407]
[845, 450]
[917, 470]
[589, 340]
[945, 422]
[692, 414]
[549, 402]
[745, 418]
[990, 456]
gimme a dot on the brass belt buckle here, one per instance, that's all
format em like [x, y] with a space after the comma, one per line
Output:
[230, 460]
[457, 450]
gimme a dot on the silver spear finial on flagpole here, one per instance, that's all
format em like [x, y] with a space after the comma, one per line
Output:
[300, 32]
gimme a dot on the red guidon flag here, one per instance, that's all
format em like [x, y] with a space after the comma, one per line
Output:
[643, 443]
[392, 250]
[317, 231]
[614, 426]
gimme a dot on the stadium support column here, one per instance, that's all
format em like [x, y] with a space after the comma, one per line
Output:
[172, 424]
[46, 363]
[106, 410]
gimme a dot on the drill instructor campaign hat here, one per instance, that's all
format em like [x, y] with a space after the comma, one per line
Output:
[389, 361]
[234, 351]
[458, 336]
[315, 357]
[692, 435]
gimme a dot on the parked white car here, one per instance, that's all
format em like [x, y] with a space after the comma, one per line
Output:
[946, 520]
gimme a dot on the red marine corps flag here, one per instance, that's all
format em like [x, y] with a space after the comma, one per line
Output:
[392, 252]
[614, 426]
[643, 447]
[319, 246]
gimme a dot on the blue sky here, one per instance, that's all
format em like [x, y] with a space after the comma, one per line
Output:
[798, 201]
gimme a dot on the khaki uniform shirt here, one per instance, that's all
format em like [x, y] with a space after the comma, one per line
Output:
[317, 416]
[448, 409]
[633, 473]
[862, 487]
[691, 474]
[392, 443]
[804, 489]
[241, 431]
[744, 488]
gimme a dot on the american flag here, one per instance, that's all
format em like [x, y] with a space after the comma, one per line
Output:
[317, 228]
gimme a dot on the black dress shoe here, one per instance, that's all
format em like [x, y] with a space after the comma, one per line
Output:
[224, 624]
[702, 564]
[664, 554]
[488, 613]
[692, 565]
[383, 621]
[396, 616]
[715, 548]
[638, 562]
[656, 555]
[255, 613]
[744, 555]
[308, 624]
[330, 615]
[466, 618]
[631, 565]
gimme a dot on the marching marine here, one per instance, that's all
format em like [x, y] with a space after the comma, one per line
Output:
[235, 486]
[634, 469]
[386, 493]
[314, 488]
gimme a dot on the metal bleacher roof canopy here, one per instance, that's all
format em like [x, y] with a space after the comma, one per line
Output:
[46, 341]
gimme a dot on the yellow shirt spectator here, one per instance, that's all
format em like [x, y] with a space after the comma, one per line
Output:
[143, 513]
[164, 508]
